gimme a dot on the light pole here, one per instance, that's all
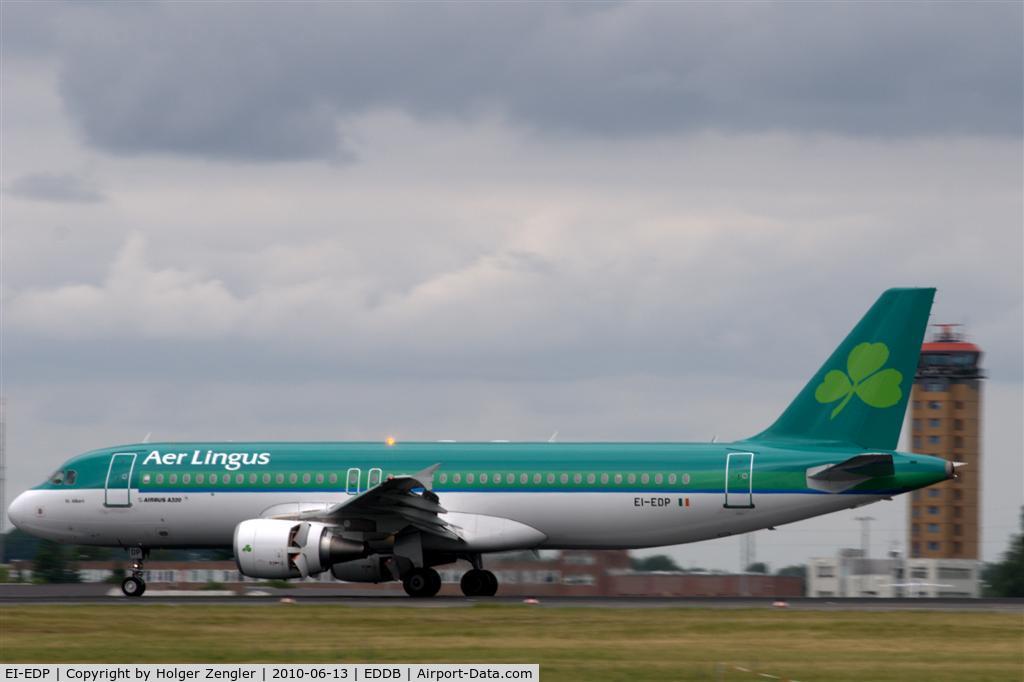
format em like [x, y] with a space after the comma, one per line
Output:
[865, 534]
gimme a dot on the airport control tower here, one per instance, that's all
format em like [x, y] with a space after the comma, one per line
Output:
[946, 422]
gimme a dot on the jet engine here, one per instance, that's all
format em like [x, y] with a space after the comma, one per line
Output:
[276, 548]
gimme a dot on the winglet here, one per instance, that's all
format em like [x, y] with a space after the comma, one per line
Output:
[426, 477]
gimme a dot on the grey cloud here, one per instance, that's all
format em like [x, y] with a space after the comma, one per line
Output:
[273, 81]
[54, 187]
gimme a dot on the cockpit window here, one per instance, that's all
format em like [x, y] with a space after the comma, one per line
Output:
[69, 478]
[57, 478]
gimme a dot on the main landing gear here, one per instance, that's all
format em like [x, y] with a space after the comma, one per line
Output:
[478, 582]
[134, 585]
[422, 582]
[425, 582]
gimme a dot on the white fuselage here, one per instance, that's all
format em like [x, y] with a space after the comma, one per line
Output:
[596, 520]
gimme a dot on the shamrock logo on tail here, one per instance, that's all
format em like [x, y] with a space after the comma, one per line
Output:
[863, 378]
[247, 548]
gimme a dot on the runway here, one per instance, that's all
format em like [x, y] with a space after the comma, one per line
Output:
[23, 594]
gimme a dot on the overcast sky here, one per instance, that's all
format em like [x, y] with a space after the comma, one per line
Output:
[642, 221]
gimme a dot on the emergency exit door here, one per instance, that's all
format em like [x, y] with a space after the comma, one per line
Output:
[739, 480]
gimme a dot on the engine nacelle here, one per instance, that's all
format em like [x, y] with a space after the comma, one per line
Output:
[369, 569]
[276, 548]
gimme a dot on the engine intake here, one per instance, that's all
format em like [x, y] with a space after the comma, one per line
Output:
[276, 548]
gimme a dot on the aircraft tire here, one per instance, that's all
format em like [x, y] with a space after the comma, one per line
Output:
[492, 584]
[422, 582]
[473, 583]
[133, 587]
[479, 583]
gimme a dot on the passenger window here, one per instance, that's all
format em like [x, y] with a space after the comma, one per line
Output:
[200, 478]
[186, 478]
[252, 479]
[239, 479]
[590, 478]
[266, 478]
[145, 478]
[686, 479]
[536, 479]
[443, 478]
[279, 478]
[551, 479]
[469, 478]
[293, 478]
[320, 478]
[159, 478]
[333, 478]
[374, 478]
[69, 478]
[671, 478]
[632, 478]
[618, 479]
[645, 479]
[457, 478]
[483, 478]
[577, 479]
[564, 478]
[604, 479]
[523, 478]
[173, 478]
[306, 479]
[658, 478]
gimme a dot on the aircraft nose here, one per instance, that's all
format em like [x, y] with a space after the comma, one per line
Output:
[20, 511]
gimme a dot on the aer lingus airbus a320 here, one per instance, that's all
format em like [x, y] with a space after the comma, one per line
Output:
[375, 512]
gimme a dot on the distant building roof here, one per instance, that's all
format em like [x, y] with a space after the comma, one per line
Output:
[949, 347]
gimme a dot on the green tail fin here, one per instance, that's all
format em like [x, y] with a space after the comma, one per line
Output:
[859, 395]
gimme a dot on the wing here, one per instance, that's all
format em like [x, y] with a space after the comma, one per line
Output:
[394, 504]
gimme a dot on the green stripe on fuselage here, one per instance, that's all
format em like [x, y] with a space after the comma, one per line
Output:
[560, 467]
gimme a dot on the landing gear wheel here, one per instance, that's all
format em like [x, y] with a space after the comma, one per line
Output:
[492, 584]
[479, 583]
[435, 581]
[422, 582]
[133, 586]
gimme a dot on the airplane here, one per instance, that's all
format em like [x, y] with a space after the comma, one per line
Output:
[392, 511]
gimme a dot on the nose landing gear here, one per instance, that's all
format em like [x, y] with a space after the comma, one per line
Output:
[134, 585]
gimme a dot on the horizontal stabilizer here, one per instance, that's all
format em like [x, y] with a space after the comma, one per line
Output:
[835, 478]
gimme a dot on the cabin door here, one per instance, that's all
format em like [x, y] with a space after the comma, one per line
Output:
[119, 480]
[739, 480]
